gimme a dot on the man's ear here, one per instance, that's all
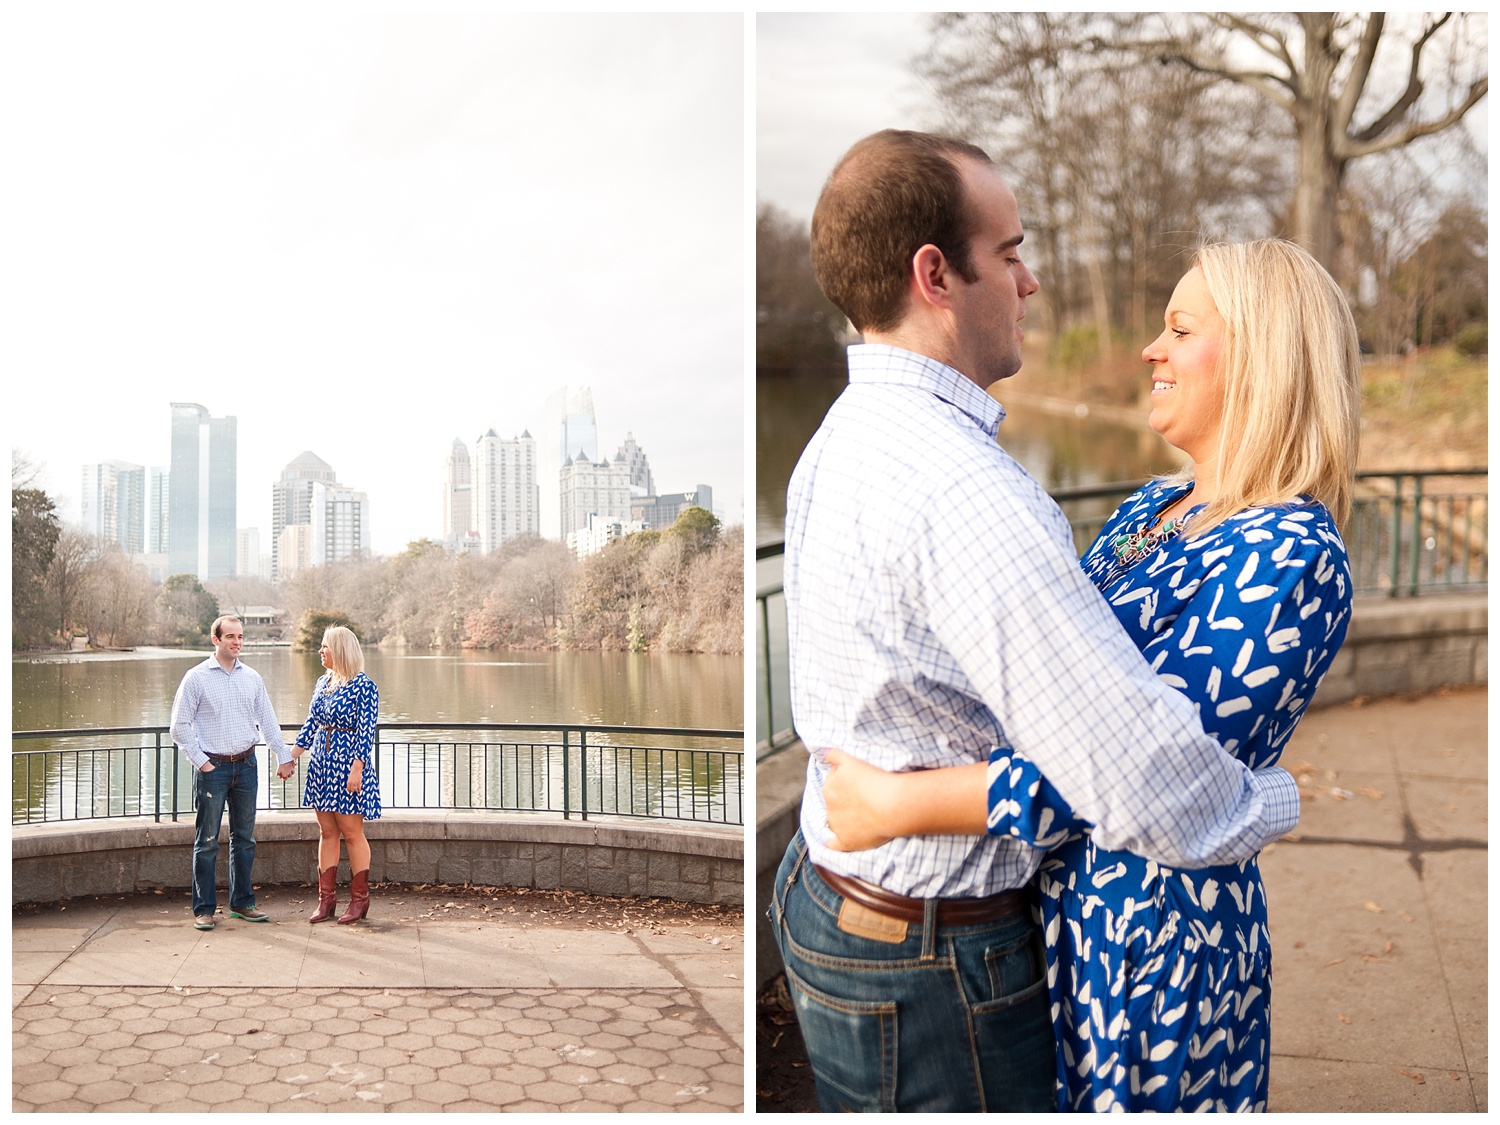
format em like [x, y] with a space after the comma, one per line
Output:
[931, 277]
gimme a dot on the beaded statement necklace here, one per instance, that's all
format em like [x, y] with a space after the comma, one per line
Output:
[1132, 547]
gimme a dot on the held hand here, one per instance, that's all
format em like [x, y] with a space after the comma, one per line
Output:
[857, 795]
[285, 770]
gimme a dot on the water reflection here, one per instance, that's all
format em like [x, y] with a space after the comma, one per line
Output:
[617, 688]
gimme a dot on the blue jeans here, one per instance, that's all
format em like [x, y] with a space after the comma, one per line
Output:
[950, 1018]
[233, 784]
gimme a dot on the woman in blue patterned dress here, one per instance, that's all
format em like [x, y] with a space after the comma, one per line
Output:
[1234, 582]
[341, 782]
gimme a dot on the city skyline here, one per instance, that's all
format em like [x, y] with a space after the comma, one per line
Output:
[385, 177]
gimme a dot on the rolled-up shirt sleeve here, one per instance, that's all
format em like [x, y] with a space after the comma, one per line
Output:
[1041, 648]
[184, 712]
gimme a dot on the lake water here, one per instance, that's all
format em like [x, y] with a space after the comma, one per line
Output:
[614, 688]
[652, 775]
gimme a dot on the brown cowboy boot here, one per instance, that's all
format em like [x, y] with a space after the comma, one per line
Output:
[328, 897]
[359, 900]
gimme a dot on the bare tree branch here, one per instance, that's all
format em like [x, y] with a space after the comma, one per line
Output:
[1347, 149]
[1408, 96]
[1268, 39]
[1354, 86]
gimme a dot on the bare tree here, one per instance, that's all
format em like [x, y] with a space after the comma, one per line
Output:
[1317, 67]
[1118, 166]
[118, 601]
[72, 558]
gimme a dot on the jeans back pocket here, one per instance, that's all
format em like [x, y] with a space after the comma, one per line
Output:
[853, 1047]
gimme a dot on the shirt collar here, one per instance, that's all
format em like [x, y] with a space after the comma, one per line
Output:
[214, 662]
[881, 363]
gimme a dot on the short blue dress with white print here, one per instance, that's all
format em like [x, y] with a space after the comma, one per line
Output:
[340, 727]
[1161, 979]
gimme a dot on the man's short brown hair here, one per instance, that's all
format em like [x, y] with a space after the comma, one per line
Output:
[891, 194]
[217, 632]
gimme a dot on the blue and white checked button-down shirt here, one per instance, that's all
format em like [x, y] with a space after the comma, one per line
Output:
[219, 712]
[936, 609]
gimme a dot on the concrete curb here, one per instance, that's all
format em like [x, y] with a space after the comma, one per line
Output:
[688, 862]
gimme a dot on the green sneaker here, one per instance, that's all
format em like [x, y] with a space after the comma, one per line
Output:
[250, 914]
[203, 922]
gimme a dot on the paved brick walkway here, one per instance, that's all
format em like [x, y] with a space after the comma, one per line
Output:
[642, 1020]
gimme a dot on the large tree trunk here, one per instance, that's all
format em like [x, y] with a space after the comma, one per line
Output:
[1315, 207]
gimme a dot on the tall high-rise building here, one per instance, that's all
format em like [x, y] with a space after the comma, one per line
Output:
[340, 524]
[568, 430]
[158, 501]
[641, 483]
[293, 549]
[114, 504]
[458, 497]
[200, 534]
[291, 501]
[504, 490]
[247, 552]
[597, 488]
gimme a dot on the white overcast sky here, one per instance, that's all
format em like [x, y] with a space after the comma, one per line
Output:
[367, 234]
[823, 82]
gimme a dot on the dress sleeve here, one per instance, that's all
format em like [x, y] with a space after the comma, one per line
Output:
[305, 735]
[1254, 640]
[368, 704]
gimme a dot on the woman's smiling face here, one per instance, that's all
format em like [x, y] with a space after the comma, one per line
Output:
[1187, 390]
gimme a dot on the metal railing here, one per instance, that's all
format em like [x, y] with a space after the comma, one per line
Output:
[99, 773]
[1410, 532]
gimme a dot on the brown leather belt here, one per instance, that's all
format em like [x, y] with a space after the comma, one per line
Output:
[231, 757]
[346, 730]
[950, 911]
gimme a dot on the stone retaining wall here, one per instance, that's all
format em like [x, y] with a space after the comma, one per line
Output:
[1398, 645]
[689, 863]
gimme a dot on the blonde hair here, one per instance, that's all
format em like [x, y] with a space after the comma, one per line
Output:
[1291, 375]
[345, 659]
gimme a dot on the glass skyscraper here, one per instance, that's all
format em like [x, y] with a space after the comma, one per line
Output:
[201, 529]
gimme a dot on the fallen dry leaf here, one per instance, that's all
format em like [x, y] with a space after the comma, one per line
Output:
[1345, 1019]
[1404, 916]
[1390, 945]
[1335, 961]
[1373, 909]
[1415, 1077]
[1372, 957]
[1372, 793]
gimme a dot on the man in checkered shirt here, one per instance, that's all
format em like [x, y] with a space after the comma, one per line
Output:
[219, 714]
[936, 609]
